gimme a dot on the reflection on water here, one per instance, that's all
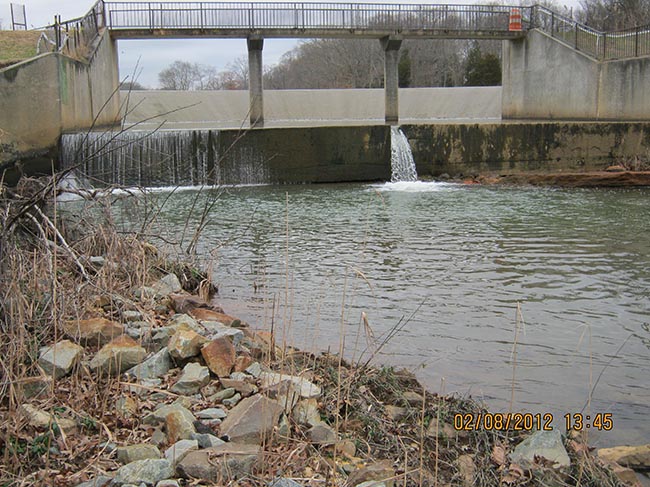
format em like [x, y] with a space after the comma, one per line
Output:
[449, 263]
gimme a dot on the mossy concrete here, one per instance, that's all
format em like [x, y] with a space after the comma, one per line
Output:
[508, 148]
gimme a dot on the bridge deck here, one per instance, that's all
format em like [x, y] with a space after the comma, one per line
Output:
[301, 20]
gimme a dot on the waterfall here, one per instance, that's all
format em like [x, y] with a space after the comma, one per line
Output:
[401, 157]
[162, 158]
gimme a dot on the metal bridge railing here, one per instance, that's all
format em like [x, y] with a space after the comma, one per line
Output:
[306, 16]
[612, 45]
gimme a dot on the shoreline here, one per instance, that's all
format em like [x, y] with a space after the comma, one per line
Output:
[591, 179]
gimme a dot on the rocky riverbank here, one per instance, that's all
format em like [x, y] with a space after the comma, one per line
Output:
[121, 369]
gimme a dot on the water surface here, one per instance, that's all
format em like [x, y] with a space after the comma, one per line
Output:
[448, 266]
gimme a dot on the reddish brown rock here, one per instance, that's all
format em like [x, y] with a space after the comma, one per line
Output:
[219, 356]
[93, 332]
[185, 343]
[213, 315]
[242, 362]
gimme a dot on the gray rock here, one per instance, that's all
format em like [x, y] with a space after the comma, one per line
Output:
[193, 378]
[34, 387]
[239, 376]
[59, 359]
[117, 356]
[167, 285]
[222, 463]
[547, 444]
[254, 369]
[225, 394]
[147, 471]
[306, 412]
[183, 320]
[413, 398]
[232, 401]
[206, 440]
[131, 315]
[307, 389]
[155, 366]
[101, 481]
[178, 450]
[252, 419]
[284, 483]
[132, 453]
[168, 483]
[145, 292]
[211, 413]
[322, 434]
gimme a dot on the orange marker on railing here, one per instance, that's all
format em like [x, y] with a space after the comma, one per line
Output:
[515, 20]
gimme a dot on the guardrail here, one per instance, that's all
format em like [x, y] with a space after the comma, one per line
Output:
[73, 37]
[306, 16]
[611, 45]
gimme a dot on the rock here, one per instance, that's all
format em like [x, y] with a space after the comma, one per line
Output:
[306, 388]
[214, 329]
[395, 413]
[168, 483]
[159, 415]
[635, 457]
[178, 450]
[219, 356]
[380, 471]
[117, 356]
[413, 398]
[149, 472]
[131, 315]
[286, 393]
[284, 429]
[184, 321]
[322, 434]
[207, 440]
[252, 419]
[547, 444]
[34, 387]
[193, 378]
[306, 412]
[167, 285]
[178, 426]
[467, 469]
[155, 366]
[93, 332]
[373, 483]
[254, 369]
[132, 453]
[284, 483]
[43, 420]
[58, 359]
[243, 361]
[625, 474]
[211, 413]
[185, 343]
[215, 316]
[232, 401]
[224, 394]
[158, 438]
[101, 481]
[222, 463]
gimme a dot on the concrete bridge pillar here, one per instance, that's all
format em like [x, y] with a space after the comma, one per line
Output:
[391, 46]
[255, 87]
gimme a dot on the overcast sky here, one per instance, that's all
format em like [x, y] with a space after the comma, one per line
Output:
[151, 56]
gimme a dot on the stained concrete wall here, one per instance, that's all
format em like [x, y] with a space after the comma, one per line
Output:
[44, 96]
[312, 155]
[544, 78]
[514, 147]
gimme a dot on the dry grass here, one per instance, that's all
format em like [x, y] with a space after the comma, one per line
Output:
[18, 45]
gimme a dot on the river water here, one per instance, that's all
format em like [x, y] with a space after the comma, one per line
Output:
[444, 269]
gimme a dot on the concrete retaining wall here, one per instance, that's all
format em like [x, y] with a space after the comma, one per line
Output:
[312, 155]
[42, 97]
[507, 148]
[546, 79]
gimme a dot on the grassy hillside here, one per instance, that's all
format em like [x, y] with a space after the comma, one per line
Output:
[17, 45]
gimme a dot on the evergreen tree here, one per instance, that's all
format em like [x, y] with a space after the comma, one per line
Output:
[482, 69]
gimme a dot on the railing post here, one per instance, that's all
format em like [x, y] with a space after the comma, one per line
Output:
[575, 44]
[303, 16]
[552, 24]
[636, 42]
[201, 16]
[251, 20]
[150, 16]
[604, 46]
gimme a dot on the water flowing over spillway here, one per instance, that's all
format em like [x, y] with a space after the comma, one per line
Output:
[402, 163]
[154, 159]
